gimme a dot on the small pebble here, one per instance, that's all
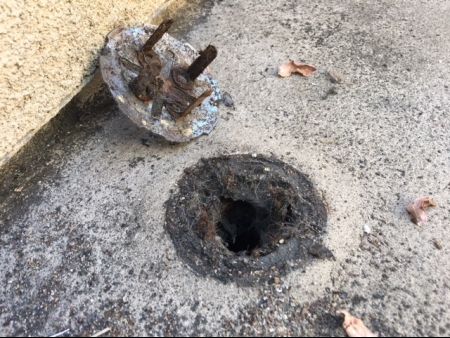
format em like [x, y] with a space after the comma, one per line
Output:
[334, 76]
[438, 244]
[227, 100]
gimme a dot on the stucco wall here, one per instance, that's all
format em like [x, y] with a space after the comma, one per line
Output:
[49, 50]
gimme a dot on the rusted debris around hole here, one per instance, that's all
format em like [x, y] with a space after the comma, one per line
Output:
[239, 217]
[176, 93]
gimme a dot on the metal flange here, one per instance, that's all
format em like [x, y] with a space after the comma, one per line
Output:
[161, 83]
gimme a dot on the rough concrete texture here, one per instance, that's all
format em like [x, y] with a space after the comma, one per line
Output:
[49, 51]
[82, 240]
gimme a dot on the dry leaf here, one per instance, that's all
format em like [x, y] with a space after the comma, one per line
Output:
[291, 67]
[418, 207]
[354, 327]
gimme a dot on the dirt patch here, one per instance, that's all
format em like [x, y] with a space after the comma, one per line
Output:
[246, 218]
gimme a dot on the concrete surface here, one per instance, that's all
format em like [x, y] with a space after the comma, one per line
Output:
[82, 239]
[49, 51]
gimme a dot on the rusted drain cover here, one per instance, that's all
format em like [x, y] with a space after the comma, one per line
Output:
[241, 217]
[160, 102]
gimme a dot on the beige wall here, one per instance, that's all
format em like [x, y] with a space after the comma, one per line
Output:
[49, 50]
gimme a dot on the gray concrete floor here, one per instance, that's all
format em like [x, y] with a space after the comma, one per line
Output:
[81, 229]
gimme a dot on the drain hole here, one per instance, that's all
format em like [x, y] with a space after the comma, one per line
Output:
[242, 217]
[238, 226]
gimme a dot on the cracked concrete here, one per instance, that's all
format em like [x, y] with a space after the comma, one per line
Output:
[82, 240]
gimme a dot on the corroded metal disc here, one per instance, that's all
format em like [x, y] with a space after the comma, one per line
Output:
[120, 52]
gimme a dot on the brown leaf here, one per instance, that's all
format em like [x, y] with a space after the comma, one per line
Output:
[291, 67]
[354, 327]
[418, 207]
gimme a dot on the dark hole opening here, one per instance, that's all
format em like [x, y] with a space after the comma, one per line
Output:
[238, 227]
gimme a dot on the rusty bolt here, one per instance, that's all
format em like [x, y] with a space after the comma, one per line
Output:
[204, 60]
[156, 36]
[177, 96]
[197, 102]
[145, 86]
